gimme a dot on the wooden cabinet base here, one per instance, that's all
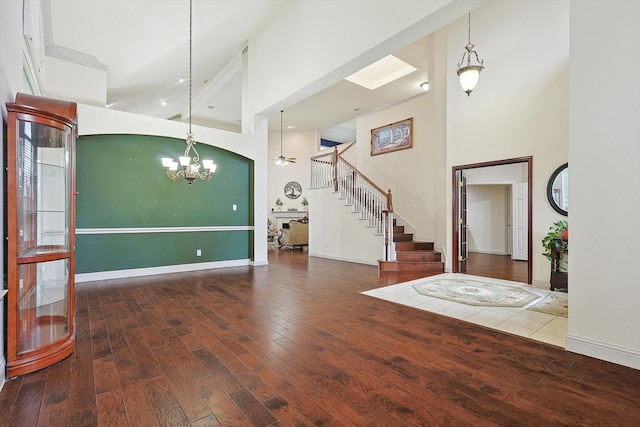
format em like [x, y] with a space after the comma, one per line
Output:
[27, 364]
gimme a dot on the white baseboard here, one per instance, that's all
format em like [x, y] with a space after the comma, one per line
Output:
[150, 271]
[603, 351]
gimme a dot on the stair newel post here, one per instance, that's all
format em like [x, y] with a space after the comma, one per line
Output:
[334, 161]
[388, 224]
[385, 215]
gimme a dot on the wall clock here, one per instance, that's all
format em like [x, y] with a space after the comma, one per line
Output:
[292, 190]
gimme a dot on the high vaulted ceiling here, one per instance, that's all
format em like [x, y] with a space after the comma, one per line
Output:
[144, 45]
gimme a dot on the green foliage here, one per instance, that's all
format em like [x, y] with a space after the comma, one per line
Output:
[305, 202]
[279, 202]
[555, 239]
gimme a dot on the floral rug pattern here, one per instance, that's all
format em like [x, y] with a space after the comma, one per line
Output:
[472, 292]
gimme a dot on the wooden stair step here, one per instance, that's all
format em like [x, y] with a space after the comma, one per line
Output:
[404, 266]
[402, 237]
[387, 265]
[413, 246]
[398, 229]
[431, 267]
[419, 256]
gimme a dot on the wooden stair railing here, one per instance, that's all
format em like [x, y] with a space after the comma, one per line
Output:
[372, 204]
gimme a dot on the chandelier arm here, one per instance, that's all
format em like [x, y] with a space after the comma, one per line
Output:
[196, 158]
[460, 64]
[175, 175]
[480, 61]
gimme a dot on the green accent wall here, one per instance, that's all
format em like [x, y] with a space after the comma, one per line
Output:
[107, 252]
[122, 184]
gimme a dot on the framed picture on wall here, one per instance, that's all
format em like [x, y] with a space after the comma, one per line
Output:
[392, 137]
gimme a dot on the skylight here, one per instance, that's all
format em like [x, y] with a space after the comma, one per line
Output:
[381, 72]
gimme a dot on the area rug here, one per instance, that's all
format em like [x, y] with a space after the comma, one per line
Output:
[557, 305]
[473, 292]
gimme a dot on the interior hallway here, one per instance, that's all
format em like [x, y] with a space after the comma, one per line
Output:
[295, 343]
[497, 267]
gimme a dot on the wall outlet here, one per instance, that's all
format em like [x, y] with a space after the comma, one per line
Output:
[198, 252]
[235, 207]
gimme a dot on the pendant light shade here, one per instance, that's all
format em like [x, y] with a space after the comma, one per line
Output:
[468, 72]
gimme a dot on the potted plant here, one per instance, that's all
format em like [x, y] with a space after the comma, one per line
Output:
[305, 203]
[279, 203]
[556, 248]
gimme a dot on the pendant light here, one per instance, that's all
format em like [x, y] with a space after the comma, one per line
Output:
[190, 170]
[469, 74]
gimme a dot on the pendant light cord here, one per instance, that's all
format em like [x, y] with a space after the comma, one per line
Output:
[190, 57]
[469, 27]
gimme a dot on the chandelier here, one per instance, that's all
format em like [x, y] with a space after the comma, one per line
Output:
[190, 168]
[469, 74]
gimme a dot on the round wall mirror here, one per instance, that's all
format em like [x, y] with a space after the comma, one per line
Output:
[558, 190]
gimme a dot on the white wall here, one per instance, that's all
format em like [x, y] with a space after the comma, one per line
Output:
[604, 159]
[487, 210]
[10, 82]
[302, 146]
[413, 174]
[341, 235]
[409, 173]
[88, 85]
[520, 107]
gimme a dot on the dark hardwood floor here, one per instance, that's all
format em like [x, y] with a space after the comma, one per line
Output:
[497, 267]
[294, 344]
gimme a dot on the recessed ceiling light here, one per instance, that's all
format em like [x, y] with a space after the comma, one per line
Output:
[425, 86]
[381, 72]
[163, 102]
[181, 80]
[211, 107]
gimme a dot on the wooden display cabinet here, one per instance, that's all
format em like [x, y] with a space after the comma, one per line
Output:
[41, 136]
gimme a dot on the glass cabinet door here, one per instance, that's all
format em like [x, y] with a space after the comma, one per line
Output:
[43, 189]
[43, 219]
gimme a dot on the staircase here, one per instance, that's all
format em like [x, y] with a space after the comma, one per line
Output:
[412, 255]
[375, 206]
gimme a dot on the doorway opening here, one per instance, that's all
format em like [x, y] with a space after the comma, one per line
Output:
[496, 197]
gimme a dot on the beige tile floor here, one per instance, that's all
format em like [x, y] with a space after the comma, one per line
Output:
[518, 321]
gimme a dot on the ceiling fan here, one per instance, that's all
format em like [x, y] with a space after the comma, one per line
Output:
[282, 160]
